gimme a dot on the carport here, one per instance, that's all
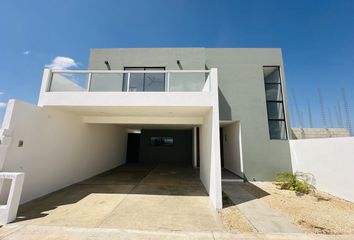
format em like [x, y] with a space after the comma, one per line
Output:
[71, 136]
[160, 188]
[64, 145]
[132, 196]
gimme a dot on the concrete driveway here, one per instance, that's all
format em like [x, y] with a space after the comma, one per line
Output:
[132, 196]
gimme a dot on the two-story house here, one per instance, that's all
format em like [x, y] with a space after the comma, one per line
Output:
[207, 108]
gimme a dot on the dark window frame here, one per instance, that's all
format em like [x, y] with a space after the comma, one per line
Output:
[276, 101]
[162, 144]
[144, 69]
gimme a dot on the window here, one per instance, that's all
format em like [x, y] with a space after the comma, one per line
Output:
[275, 104]
[161, 141]
[145, 82]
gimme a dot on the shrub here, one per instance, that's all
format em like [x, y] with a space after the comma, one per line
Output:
[294, 182]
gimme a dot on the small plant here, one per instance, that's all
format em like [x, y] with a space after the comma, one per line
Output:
[294, 182]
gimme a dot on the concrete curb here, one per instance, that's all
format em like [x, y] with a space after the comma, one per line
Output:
[17, 231]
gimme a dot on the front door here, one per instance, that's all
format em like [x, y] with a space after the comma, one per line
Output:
[133, 148]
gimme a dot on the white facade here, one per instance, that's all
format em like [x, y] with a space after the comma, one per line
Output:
[58, 149]
[68, 136]
[12, 182]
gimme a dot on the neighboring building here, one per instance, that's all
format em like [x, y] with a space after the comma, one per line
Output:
[210, 108]
[305, 133]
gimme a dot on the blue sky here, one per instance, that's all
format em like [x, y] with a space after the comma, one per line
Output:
[317, 39]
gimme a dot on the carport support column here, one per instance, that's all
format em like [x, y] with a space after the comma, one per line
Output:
[195, 147]
[210, 165]
[216, 157]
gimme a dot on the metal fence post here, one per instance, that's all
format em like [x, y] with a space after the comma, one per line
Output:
[128, 82]
[89, 81]
[167, 88]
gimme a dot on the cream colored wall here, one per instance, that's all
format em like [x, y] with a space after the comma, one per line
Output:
[329, 160]
[232, 148]
[58, 148]
[210, 167]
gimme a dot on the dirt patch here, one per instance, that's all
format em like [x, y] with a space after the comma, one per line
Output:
[232, 218]
[316, 212]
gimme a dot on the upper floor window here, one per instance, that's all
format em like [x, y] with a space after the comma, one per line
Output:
[144, 82]
[275, 104]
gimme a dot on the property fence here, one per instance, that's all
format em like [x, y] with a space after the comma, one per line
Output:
[330, 160]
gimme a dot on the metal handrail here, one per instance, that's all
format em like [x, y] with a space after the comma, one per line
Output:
[128, 74]
[130, 71]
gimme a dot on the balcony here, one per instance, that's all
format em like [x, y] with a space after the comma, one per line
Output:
[97, 88]
[129, 81]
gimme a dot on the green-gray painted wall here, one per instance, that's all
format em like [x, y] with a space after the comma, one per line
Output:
[242, 97]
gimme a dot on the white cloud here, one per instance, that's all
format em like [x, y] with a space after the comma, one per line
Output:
[62, 63]
[26, 52]
[2, 105]
[2, 93]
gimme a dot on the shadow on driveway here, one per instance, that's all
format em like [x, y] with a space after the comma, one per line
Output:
[132, 196]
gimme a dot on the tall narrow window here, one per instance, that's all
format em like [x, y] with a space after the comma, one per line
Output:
[275, 104]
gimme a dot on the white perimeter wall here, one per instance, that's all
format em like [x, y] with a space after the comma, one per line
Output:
[59, 149]
[232, 148]
[330, 160]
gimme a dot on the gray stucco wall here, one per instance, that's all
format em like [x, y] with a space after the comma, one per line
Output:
[241, 93]
[242, 97]
[306, 133]
[190, 58]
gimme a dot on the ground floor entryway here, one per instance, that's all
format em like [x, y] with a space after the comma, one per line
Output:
[231, 151]
[132, 196]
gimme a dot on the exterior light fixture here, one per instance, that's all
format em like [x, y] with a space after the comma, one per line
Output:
[107, 65]
[179, 65]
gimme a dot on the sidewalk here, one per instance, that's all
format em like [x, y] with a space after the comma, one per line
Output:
[261, 216]
[33, 232]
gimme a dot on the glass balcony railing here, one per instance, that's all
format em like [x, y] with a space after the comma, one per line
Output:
[129, 81]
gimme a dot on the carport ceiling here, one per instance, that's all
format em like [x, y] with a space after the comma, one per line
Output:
[157, 126]
[138, 111]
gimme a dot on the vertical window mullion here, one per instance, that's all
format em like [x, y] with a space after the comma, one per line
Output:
[275, 107]
[286, 132]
